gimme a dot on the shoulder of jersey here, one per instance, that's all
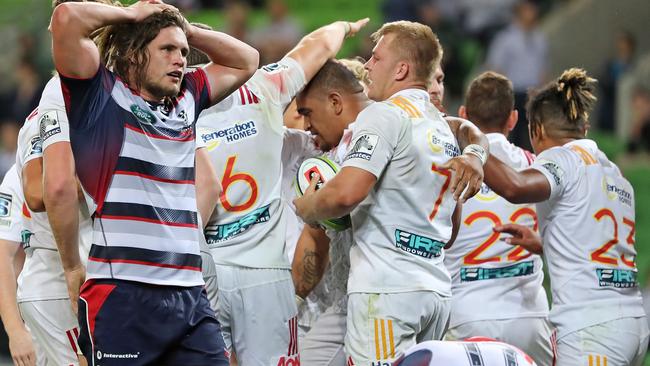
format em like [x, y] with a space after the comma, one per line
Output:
[384, 108]
[52, 95]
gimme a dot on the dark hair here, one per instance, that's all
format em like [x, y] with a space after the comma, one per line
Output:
[124, 46]
[563, 106]
[489, 100]
[334, 76]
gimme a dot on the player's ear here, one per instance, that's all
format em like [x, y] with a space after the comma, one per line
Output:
[402, 70]
[512, 119]
[336, 102]
[462, 112]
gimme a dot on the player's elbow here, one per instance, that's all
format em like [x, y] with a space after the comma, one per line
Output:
[251, 60]
[62, 16]
[59, 188]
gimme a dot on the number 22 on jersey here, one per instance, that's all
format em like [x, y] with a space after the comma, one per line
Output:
[516, 254]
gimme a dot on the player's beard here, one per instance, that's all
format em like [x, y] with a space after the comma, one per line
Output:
[161, 90]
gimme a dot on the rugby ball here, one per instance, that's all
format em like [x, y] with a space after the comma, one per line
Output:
[327, 169]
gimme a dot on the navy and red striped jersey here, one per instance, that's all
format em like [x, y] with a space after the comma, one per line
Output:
[136, 160]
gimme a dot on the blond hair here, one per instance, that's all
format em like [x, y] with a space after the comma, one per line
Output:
[416, 42]
[355, 65]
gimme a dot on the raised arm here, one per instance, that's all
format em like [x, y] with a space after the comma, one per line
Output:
[233, 61]
[309, 260]
[324, 43]
[527, 186]
[75, 54]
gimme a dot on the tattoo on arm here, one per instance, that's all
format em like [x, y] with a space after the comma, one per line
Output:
[310, 274]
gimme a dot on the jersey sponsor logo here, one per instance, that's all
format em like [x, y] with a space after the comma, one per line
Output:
[470, 274]
[25, 238]
[102, 355]
[555, 171]
[49, 125]
[219, 233]
[417, 244]
[620, 278]
[363, 147]
[289, 360]
[437, 145]
[613, 192]
[486, 194]
[35, 146]
[5, 204]
[143, 115]
[231, 135]
[274, 68]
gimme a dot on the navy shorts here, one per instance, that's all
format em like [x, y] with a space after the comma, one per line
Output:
[132, 323]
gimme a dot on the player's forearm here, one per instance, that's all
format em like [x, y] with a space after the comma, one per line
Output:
[8, 306]
[328, 203]
[527, 186]
[207, 185]
[223, 49]
[81, 19]
[309, 260]
[469, 134]
[62, 205]
[317, 47]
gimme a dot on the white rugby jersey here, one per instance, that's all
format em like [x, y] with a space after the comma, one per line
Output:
[298, 145]
[400, 229]
[477, 353]
[587, 227]
[42, 275]
[492, 279]
[11, 204]
[244, 136]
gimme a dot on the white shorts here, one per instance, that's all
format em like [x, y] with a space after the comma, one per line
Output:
[531, 335]
[209, 272]
[381, 327]
[55, 329]
[613, 343]
[258, 315]
[323, 344]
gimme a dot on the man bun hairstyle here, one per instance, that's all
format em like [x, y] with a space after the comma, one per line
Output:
[563, 106]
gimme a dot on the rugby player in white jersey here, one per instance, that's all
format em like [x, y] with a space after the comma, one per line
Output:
[42, 292]
[12, 256]
[322, 256]
[586, 218]
[497, 289]
[396, 184]
[246, 233]
[477, 351]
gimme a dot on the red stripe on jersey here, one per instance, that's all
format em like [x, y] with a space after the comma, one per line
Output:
[241, 95]
[26, 211]
[255, 100]
[151, 177]
[248, 94]
[33, 114]
[189, 137]
[143, 263]
[152, 221]
[72, 341]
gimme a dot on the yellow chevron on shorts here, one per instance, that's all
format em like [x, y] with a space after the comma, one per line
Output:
[386, 328]
[598, 359]
[406, 106]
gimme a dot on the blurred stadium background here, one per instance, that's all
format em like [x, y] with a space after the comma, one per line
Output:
[608, 38]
